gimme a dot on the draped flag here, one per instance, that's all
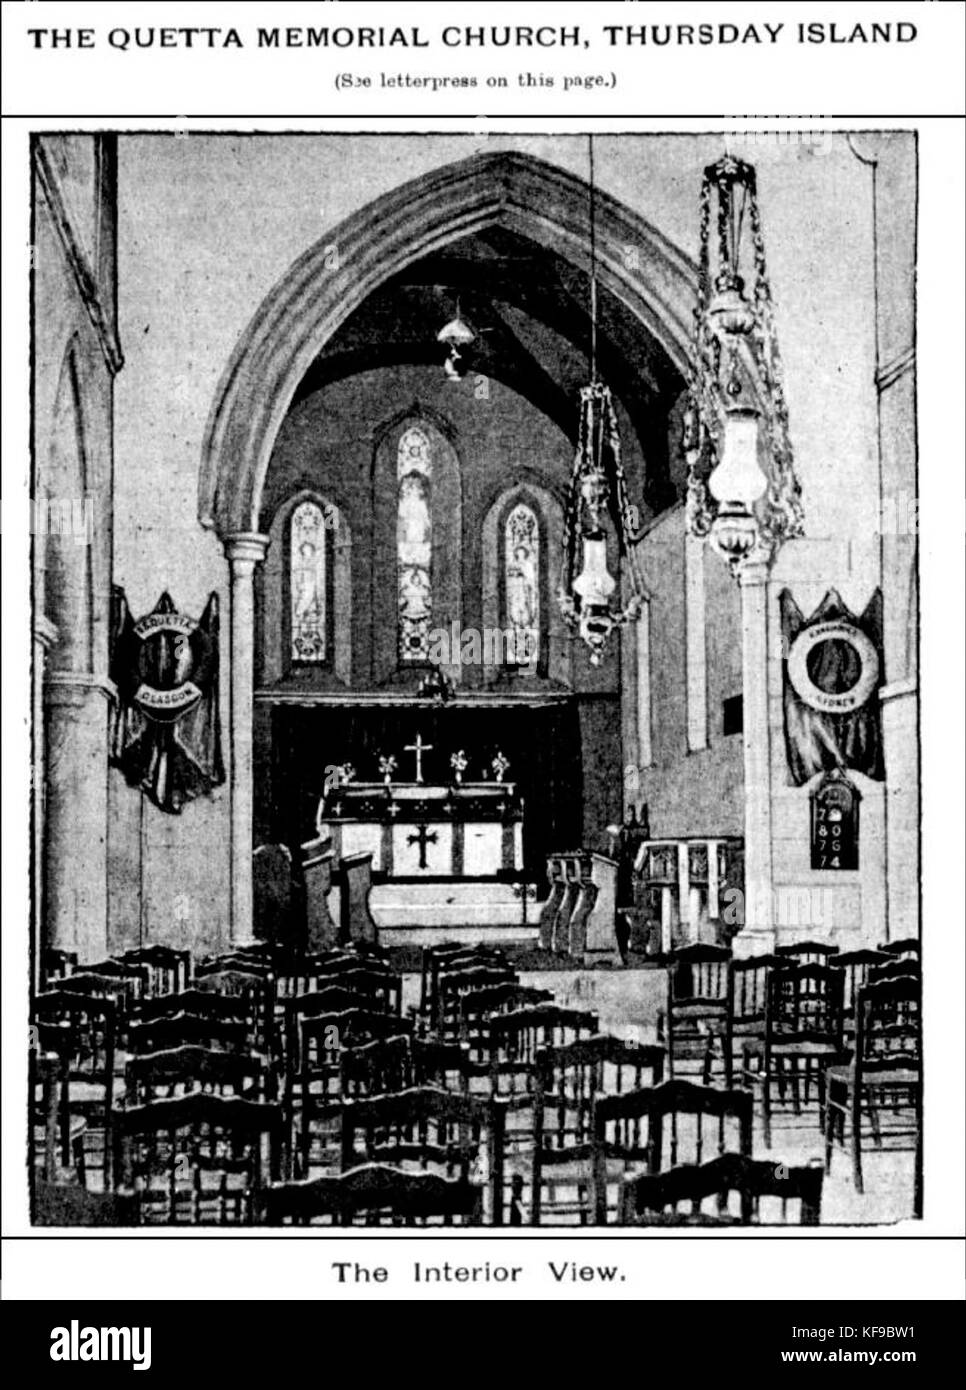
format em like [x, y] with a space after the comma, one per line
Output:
[830, 679]
[165, 730]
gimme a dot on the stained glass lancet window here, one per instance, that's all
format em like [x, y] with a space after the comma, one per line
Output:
[307, 557]
[522, 576]
[414, 544]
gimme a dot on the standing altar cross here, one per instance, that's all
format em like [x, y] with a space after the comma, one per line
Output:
[419, 748]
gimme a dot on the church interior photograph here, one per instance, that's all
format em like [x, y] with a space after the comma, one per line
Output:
[475, 716]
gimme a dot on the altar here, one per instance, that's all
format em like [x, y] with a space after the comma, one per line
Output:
[442, 854]
[413, 830]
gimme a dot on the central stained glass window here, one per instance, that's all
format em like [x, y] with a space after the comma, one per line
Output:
[522, 577]
[414, 544]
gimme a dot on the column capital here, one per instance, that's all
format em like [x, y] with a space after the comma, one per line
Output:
[45, 632]
[245, 548]
[74, 687]
[754, 569]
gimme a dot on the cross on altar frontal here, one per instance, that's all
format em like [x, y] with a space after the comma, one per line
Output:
[422, 838]
[419, 748]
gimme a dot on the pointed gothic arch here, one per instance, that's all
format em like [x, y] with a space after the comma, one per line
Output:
[529, 196]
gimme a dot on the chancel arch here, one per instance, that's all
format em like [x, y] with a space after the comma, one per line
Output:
[507, 189]
[344, 358]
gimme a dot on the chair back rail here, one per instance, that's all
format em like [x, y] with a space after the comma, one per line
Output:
[808, 952]
[428, 1127]
[662, 1194]
[907, 947]
[198, 1159]
[169, 970]
[180, 1070]
[179, 1030]
[376, 1193]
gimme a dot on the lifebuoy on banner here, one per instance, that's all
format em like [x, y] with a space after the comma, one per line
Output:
[833, 702]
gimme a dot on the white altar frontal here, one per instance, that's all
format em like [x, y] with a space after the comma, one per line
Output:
[442, 856]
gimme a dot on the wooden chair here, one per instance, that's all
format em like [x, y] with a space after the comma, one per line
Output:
[855, 966]
[803, 1038]
[197, 1159]
[92, 1090]
[183, 1070]
[256, 985]
[374, 1194]
[898, 968]
[569, 1081]
[329, 963]
[122, 989]
[55, 1135]
[698, 1011]
[438, 1062]
[452, 984]
[450, 955]
[477, 1006]
[55, 966]
[648, 1128]
[807, 952]
[195, 1029]
[315, 1071]
[382, 988]
[222, 1008]
[656, 1199]
[376, 1068]
[169, 971]
[908, 948]
[123, 970]
[398, 1063]
[749, 999]
[432, 1130]
[516, 1038]
[884, 1077]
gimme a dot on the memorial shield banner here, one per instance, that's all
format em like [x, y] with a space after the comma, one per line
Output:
[165, 734]
[831, 674]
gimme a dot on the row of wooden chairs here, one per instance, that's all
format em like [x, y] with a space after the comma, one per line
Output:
[95, 1019]
[844, 1029]
[207, 1159]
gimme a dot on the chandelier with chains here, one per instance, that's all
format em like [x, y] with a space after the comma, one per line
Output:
[588, 594]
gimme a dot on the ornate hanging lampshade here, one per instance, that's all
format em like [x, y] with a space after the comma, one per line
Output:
[742, 490]
[598, 493]
[588, 593]
[457, 335]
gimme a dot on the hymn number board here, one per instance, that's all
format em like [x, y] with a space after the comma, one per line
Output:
[835, 823]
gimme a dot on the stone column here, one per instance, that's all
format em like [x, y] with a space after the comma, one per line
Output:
[75, 814]
[758, 932]
[45, 635]
[244, 551]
